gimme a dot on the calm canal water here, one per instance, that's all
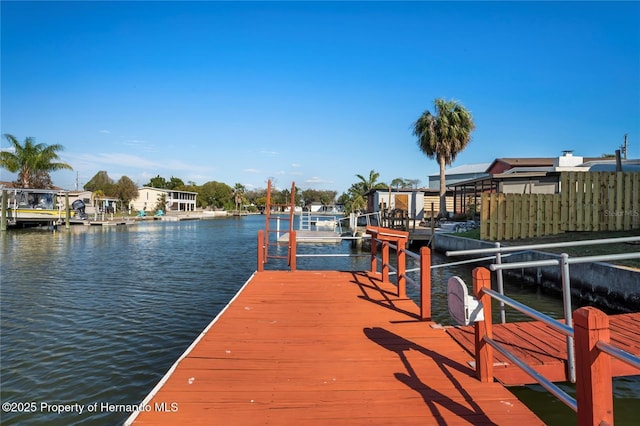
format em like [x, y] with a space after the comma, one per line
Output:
[99, 314]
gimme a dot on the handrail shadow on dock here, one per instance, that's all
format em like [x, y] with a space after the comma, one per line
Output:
[371, 287]
[431, 397]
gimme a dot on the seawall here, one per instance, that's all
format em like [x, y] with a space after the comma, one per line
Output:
[598, 283]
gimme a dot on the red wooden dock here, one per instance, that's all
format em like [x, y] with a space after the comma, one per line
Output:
[545, 349]
[324, 347]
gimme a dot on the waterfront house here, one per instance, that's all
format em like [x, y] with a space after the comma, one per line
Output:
[529, 176]
[93, 204]
[415, 202]
[174, 200]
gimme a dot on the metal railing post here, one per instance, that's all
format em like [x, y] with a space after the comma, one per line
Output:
[566, 297]
[500, 282]
[425, 283]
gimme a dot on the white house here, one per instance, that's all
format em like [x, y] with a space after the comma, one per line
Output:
[92, 204]
[416, 202]
[175, 201]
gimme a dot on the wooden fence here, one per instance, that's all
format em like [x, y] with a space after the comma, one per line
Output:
[598, 201]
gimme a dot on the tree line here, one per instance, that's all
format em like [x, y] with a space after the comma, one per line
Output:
[441, 135]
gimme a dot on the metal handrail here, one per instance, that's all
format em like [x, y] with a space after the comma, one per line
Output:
[618, 353]
[564, 261]
[543, 381]
[532, 313]
[504, 249]
[563, 396]
[570, 261]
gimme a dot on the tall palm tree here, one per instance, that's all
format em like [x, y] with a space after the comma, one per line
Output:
[96, 197]
[238, 195]
[367, 184]
[32, 161]
[443, 136]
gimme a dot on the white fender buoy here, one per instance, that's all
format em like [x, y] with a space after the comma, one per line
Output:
[464, 309]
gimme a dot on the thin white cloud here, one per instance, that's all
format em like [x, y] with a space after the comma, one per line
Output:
[316, 179]
[295, 165]
[252, 170]
[269, 153]
[106, 132]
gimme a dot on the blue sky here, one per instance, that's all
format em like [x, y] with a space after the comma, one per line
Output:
[312, 92]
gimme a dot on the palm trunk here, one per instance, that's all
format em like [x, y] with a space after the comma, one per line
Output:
[443, 187]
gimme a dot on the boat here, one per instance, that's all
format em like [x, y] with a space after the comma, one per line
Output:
[34, 207]
[329, 224]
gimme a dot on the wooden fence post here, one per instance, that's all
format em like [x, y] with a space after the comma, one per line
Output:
[260, 250]
[425, 283]
[292, 250]
[483, 350]
[594, 388]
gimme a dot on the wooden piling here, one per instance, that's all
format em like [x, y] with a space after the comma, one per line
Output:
[483, 351]
[594, 388]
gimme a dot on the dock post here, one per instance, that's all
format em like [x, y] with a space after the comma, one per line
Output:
[374, 253]
[402, 267]
[260, 250]
[292, 250]
[594, 388]
[433, 229]
[425, 283]
[483, 350]
[67, 222]
[385, 262]
[3, 220]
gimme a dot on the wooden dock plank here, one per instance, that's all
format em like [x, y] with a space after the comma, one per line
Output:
[325, 347]
[545, 349]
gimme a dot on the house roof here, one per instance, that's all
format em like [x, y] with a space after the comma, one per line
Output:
[531, 162]
[13, 185]
[165, 190]
[387, 190]
[501, 177]
[465, 169]
[524, 162]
